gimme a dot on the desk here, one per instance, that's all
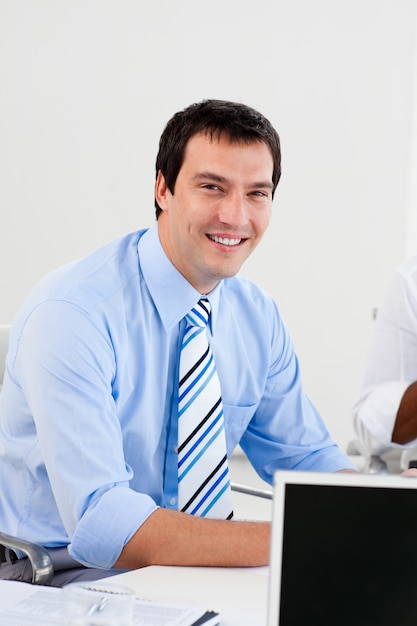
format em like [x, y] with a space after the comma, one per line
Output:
[238, 594]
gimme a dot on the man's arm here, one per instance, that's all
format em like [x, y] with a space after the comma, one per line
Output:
[170, 537]
[405, 426]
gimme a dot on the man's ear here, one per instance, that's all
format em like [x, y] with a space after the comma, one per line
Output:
[161, 191]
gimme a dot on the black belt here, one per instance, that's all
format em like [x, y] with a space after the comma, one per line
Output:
[7, 555]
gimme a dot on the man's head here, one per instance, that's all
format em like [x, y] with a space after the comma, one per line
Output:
[214, 118]
[217, 170]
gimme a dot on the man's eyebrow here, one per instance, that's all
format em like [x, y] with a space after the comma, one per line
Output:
[263, 185]
[211, 176]
[222, 179]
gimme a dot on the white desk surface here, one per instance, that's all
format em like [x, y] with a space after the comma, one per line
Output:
[238, 594]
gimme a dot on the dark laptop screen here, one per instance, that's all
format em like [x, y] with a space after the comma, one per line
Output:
[349, 556]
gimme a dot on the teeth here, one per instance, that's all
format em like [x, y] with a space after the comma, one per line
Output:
[225, 241]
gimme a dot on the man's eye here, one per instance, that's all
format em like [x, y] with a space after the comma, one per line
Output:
[210, 186]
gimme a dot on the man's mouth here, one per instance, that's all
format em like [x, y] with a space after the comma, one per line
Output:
[225, 240]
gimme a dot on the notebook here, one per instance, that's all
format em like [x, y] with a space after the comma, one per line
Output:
[343, 550]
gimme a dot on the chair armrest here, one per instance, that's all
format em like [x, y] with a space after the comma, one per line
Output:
[252, 491]
[39, 558]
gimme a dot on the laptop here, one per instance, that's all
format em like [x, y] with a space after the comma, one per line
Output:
[343, 550]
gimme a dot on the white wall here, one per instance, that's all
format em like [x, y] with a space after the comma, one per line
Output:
[86, 87]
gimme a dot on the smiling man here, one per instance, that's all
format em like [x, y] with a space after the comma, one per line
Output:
[114, 438]
[220, 209]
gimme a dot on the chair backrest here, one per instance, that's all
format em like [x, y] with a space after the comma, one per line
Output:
[4, 344]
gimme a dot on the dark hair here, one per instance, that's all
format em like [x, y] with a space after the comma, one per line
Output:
[213, 117]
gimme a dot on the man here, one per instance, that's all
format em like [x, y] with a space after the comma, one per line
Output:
[385, 412]
[89, 409]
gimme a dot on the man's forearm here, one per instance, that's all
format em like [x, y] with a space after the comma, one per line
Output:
[405, 427]
[172, 538]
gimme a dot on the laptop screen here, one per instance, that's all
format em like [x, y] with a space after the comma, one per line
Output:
[344, 550]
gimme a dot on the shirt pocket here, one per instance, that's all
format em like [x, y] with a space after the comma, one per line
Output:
[236, 420]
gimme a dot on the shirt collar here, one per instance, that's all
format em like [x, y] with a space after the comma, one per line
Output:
[172, 294]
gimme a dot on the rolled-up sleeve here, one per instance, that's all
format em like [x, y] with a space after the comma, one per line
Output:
[106, 526]
[65, 364]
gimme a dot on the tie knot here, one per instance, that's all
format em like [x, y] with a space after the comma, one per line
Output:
[199, 315]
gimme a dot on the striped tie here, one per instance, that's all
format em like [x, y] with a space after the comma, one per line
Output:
[203, 474]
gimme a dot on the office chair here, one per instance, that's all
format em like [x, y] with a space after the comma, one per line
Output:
[42, 570]
[391, 462]
[252, 491]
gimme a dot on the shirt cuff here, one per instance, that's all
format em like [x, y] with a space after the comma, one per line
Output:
[375, 417]
[107, 526]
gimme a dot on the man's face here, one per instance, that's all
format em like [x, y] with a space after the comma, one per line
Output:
[220, 208]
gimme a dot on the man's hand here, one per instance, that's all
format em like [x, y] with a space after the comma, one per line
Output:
[405, 427]
[410, 472]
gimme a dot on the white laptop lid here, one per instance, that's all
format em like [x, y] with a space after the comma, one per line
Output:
[343, 550]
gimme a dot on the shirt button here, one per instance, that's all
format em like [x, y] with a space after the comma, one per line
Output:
[173, 501]
[175, 449]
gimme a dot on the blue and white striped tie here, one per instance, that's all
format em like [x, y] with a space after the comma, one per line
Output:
[203, 474]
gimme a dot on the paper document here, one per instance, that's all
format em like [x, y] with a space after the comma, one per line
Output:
[22, 604]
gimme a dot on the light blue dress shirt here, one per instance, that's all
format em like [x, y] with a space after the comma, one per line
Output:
[87, 420]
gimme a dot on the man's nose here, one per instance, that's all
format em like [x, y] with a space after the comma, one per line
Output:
[233, 210]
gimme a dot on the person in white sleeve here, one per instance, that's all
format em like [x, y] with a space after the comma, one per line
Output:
[385, 412]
